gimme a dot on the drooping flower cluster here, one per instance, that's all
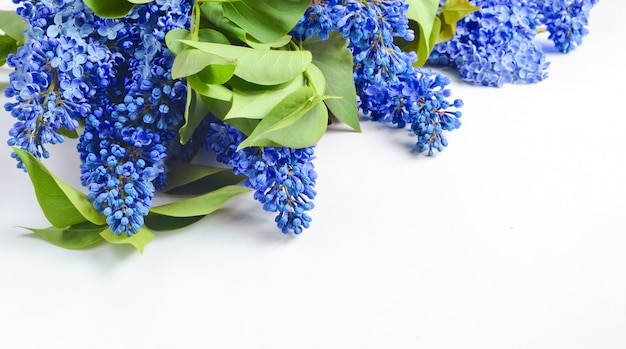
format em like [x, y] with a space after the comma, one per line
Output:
[496, 45]
[388, 87]
[283, 178]
[57, 71]
[113, 76]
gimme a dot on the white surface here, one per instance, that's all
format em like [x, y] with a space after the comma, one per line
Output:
[513, 237]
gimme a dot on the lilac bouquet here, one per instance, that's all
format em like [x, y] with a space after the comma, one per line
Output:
[147, 86]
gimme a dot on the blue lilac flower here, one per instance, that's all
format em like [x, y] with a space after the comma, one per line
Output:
[566, 21]
[388, 87]
[283, 178]
[126, 142]
[495, 45]
[77, 67]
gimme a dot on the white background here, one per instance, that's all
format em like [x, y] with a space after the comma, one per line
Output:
[513, 237]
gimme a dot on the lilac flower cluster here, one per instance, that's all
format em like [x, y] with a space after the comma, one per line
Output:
[496, 45]
[283, 178]
[388, 87]
[566, 20]
[112, 76]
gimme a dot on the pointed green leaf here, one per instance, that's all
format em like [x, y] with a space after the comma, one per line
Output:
[217, 106]
[286, 113]
[61, 204]
[7, 46]
[200, 205]
[239, 83]
[78, 236]
[214, 91]
[173, 37]
[426, 45]
[306, 131]
[257, 104]
[195, 112]
[160, 222]
[452, 12]
[209, 183]
[422, 14]
[214, 14]
[72, 134]
[334, 59]
[263, 67]
[202, 178]
[316, 79]
[218, 187]
[139, 240]
[13, 25]
[246, 126]
[189, 62]
[281, 42]
[216, 74]
[182, 173]
[212, 35]
[266, 20]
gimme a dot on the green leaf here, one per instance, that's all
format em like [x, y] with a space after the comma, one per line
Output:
[334, 59]
[425, 45]
[266, 20]
[239, 83]
[212, 35]
[216, 74]
[61, 204]
[214, 13]
[217, 107]
[173, 37]
[182, 175]
[286, 113]
[258, 103]
[200, 205]
[7, 46]
[72, 134]
[246, 126]
[263, 67]
[160, 222]
[306, 131]
[208, 183]
[195, 112]
[452, 12]
[214, 91]
[139, 240]
[315, 79]
[281, 42]
[110, 8]
[13, 25]
[78, 236]
[193, 179]
[423, 12]
[189, 62]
